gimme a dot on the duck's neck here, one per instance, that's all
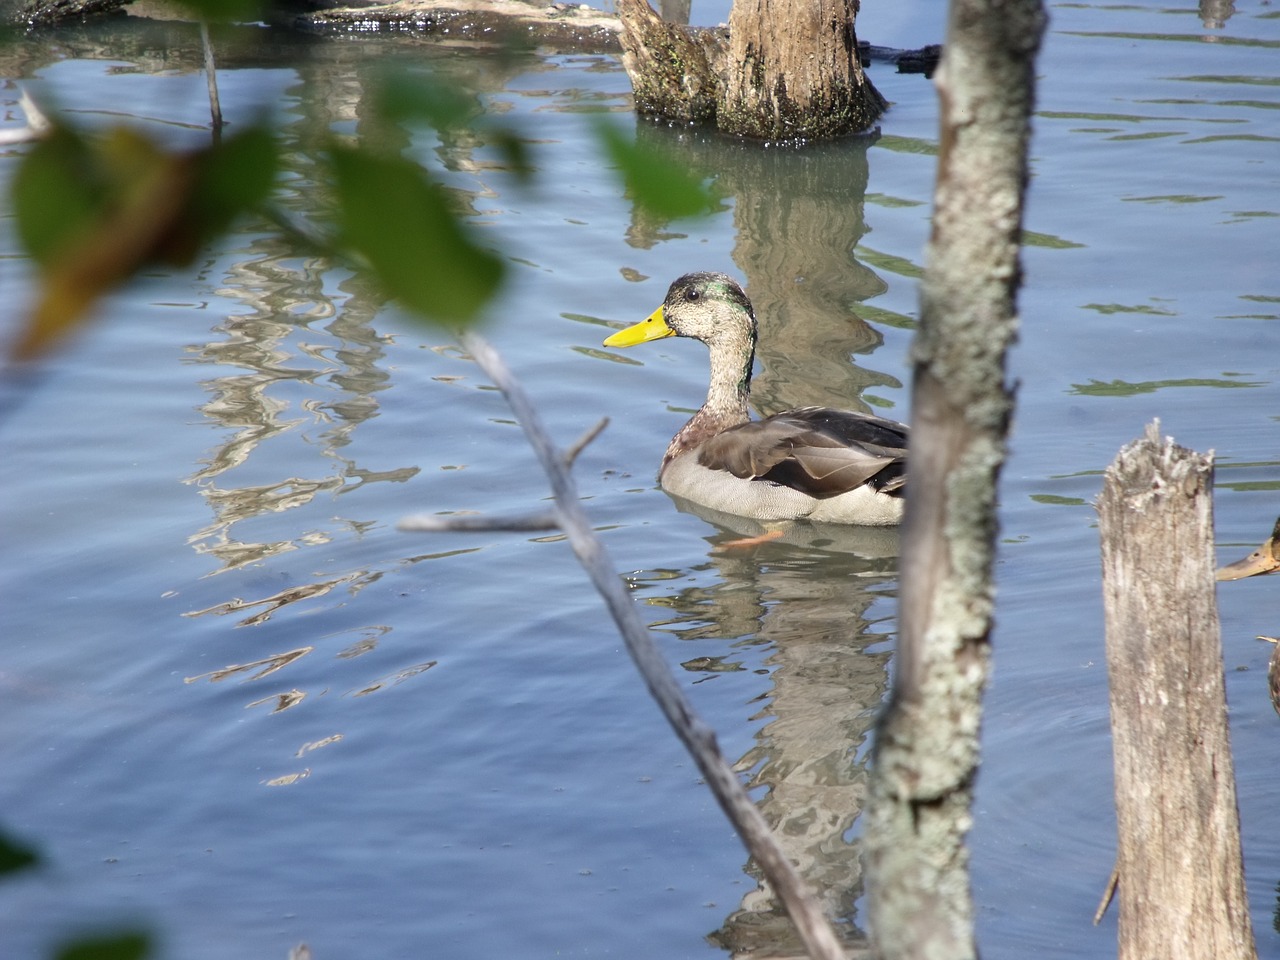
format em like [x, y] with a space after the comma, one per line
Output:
[726, 404]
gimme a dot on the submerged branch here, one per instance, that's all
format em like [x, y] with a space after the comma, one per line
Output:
[37, 125]
[211, 76]
[700, 740]
[525, 523]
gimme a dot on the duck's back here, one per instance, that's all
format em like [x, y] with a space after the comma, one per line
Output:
[817, 463]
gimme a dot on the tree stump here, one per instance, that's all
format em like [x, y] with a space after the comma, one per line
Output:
[794, 72]
[1182, 892]
[675, 70]
[786, 70]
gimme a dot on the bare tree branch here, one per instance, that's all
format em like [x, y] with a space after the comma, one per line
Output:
[814, 928]
[36, 127]
[580, 444]
[211, 76]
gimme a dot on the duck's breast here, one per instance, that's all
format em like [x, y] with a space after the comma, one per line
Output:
[685, 477]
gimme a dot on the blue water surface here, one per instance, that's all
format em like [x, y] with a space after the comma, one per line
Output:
[244, 711]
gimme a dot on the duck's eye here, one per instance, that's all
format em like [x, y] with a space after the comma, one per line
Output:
[692, 294]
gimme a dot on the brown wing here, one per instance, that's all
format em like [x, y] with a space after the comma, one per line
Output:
[819, 451]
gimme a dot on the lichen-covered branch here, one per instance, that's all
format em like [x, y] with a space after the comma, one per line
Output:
[927, 749]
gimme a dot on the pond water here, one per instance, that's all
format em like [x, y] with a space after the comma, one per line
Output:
[241, 709]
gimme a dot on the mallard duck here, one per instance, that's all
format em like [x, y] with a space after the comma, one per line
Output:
[814, 463]
[1266, 559]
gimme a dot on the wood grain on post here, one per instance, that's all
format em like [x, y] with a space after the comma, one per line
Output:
[1182, 892]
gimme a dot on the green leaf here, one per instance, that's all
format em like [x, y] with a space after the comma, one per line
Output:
[92, 213]
[231, 178]
[399, 220]
[402, 96]
[14, 856]
[57, 191]
[654, 183]
[516, 153]
[409, 98]
[129, 945]
[239, 172]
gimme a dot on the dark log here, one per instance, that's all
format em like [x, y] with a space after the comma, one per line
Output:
[1182, 891]
[42, 12]
[511, 23]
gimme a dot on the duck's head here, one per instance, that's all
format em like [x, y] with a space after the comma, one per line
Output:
[710, 307]
[1266, 559]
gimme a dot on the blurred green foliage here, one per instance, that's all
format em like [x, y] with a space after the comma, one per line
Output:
[94, 209]
[15, 856]
[397, 219]
[662, 188]
[123, 945]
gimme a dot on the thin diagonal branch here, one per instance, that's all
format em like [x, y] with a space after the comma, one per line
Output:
[580, 444]
[814, 928]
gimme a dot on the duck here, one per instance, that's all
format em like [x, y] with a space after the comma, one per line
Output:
[1264, 560]
[813, 463]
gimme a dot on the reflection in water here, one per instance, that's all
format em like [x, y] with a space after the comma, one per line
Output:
[277, 600]
[808, 606]
[317, 744]
[365, 644]
[394, 679]
[1214, 14]
[269, 666]
[270, 345]
[303, 364]
[1121, 388]
[280, 701]
[804, 597]
[796, 248]
[274, 350]
[287, 779]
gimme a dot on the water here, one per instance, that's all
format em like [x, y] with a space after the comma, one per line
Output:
[245, 711]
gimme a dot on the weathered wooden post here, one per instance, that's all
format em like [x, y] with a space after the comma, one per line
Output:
[1182, 892]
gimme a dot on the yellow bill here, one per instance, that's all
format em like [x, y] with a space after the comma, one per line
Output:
[652, 327]
[1260, 561]
[1266, 559]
